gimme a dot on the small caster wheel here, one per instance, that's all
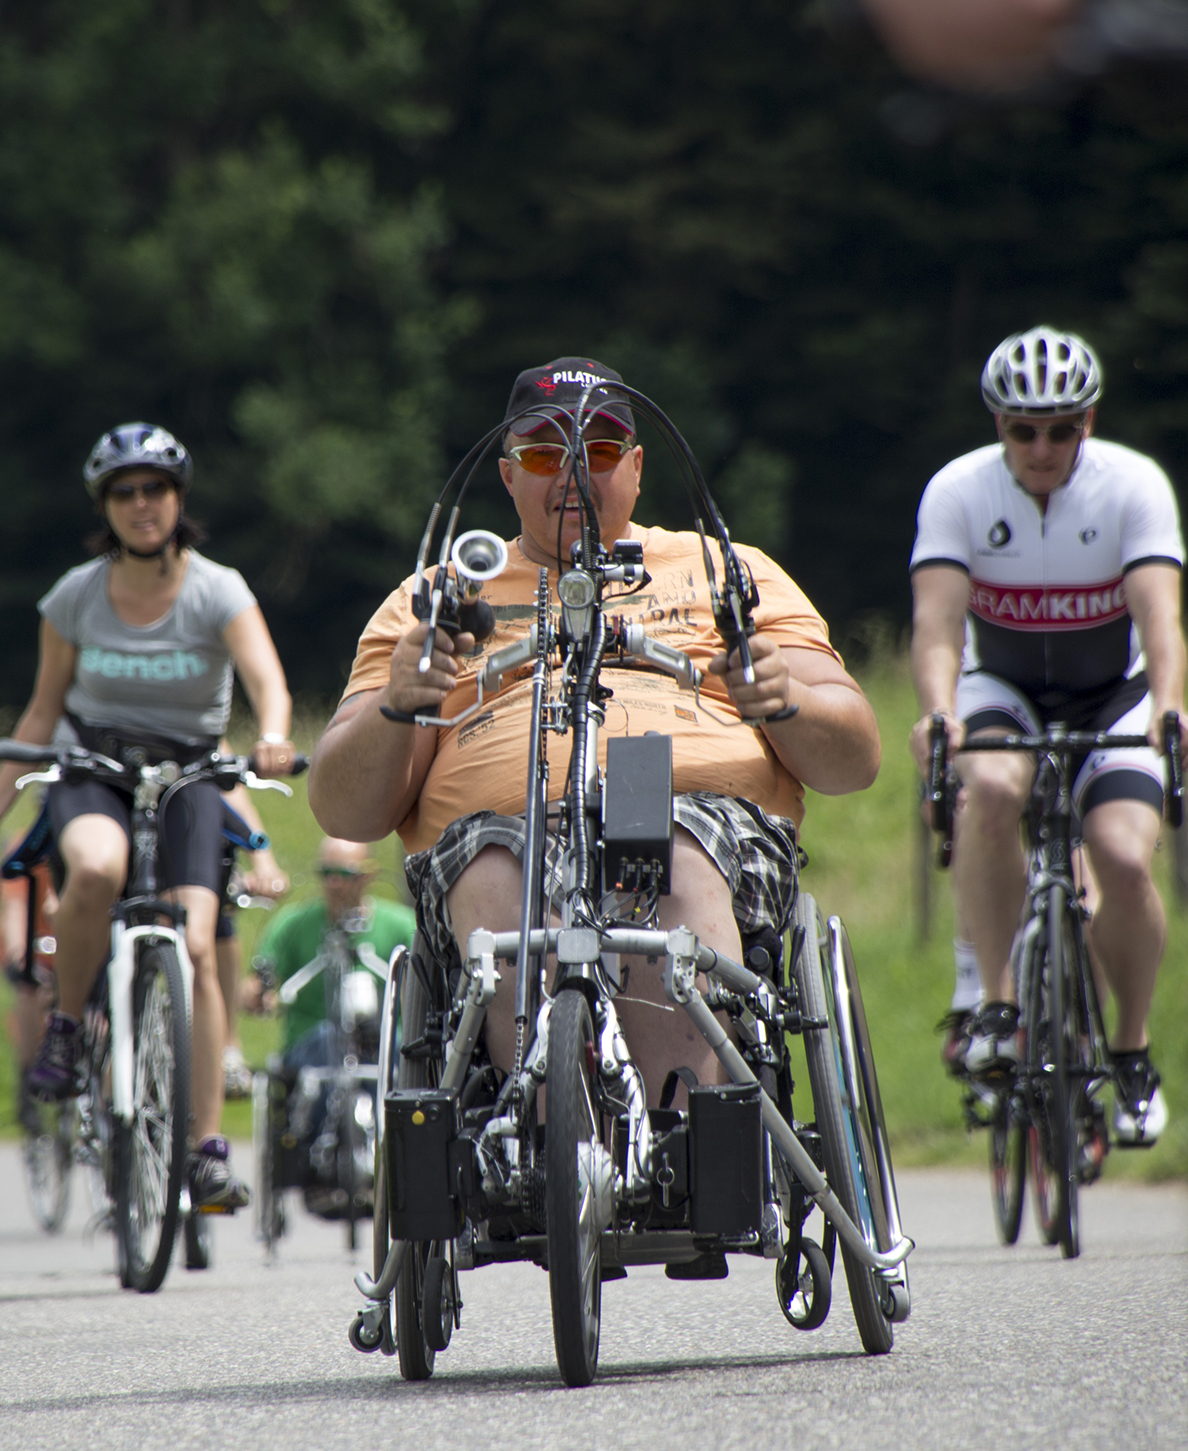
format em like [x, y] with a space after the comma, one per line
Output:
[437, 1303]
[897, 1303]
[368, 1341]
[805, 1295]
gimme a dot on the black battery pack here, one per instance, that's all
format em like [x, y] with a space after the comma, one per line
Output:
[425, 1196]
[637, 812]
[726, 1159]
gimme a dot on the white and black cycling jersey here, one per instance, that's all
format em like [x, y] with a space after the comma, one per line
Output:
[1047, 602]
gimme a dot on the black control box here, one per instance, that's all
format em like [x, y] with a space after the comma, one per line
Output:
[430, 1170]
[637, 812]
[726, 1159]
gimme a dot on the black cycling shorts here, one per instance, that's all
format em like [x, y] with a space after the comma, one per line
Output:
[191, 847]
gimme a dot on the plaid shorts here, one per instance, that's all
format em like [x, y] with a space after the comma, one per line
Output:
[756, 853]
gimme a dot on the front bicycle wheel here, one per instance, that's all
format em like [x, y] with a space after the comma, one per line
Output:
[572, 1182]
[850, 1164]
[1008, 1168]
[151, 1149]
[1053, 1086]
[416, 1355]
[48, 1156]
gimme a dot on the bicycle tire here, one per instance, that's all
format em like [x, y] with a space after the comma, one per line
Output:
[1048, 1087]
[389, 1068]
[198, 1240]
[838, 1123]
[416, 1356]
[575, 1279]
[96, 1126]
[48, 1157]
[150, 1152]
[1008, 1169]
[1070, 1080]
[267, 1202]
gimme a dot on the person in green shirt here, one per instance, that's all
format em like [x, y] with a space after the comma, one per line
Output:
[372, 928]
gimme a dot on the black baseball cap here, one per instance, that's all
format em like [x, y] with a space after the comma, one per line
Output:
[558, 385]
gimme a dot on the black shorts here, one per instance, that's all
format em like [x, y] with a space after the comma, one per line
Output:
[191, 847]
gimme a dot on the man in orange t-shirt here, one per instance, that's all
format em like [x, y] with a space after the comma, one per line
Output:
[455, 795]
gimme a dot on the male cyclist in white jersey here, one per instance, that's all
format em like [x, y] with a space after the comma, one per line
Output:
[1046, 578]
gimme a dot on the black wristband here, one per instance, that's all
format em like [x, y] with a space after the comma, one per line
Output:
[401, 717]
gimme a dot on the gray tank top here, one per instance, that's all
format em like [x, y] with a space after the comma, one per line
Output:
[172, 677]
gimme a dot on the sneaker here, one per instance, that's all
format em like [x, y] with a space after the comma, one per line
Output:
[993, 1044]
[52, 1075]
[237, 1076]
[1140, 1110]
[213, 1187]
[956, 1026]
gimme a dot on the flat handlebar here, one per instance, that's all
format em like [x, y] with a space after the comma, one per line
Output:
[78, 759]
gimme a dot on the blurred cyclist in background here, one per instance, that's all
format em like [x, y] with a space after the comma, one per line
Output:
[138, 647]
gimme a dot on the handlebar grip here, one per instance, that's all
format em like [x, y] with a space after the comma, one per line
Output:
[938, 744]
[300, 765]
[1175, 771]
[28, 753]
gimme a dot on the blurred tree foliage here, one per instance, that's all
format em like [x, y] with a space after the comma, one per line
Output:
[318, 238]
[213, 216]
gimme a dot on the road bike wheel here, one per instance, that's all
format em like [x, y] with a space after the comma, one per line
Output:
[850, 1164]
[1053, 1085]
[48, 1156]
[151, 1150]
[1008, 1169]
[416, 1356]
[571, 1193]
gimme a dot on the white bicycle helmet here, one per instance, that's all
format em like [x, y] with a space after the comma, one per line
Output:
[137, 446]
[1041, 371]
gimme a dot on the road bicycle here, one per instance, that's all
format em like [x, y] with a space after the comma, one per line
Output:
[336, 1166]
[134, 1069]
[1047, 1117]
[466, 1174]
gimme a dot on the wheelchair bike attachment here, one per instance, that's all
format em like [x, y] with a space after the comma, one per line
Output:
[465, 1174]
[1045, 1118]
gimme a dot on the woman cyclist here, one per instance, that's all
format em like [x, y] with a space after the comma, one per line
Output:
[139, 646]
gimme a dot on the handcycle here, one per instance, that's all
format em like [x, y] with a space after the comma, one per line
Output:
[466, 1176]
[335, 1167]
[134, 1067]
[1046, 1117]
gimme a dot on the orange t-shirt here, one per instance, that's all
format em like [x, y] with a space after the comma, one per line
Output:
[483, 764]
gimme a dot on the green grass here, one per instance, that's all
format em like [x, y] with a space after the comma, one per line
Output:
[863, 854]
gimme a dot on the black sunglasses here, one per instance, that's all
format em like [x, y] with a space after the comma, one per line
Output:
[1053, 432]
[122, 493]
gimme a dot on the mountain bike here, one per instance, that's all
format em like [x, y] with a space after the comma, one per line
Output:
[1046, 1118]
[466, 1173]
[135, 1063]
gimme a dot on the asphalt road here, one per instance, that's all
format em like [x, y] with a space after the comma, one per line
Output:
[1004, 1349]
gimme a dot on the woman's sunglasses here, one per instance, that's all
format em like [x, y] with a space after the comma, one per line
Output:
[1053, 432]
[346, 873]
[550, 458]
[122, 493]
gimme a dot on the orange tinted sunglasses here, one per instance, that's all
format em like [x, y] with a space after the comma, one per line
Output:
[550, 458]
